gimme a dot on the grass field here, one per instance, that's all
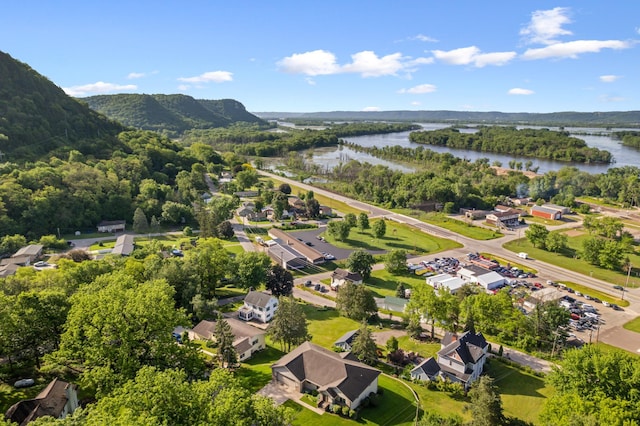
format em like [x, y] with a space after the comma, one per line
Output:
[442, 403]
[523, 394]
[573, 263]
[424, 349]
[398, 236]
[382, 283]
[397, 407]
[256, 372]
[326, 325]
[458, 226]
[633, 325]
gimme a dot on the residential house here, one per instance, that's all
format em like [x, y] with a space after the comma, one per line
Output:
[111, 226]
[225, 177]
[23, 257]
[546, 213]
[8, 269]
[309, 253]
[57, 400]
[246, 194]
[259, 306]
[337, 378]
[296, 203]
[474, 214]
[33, 251]
[124, 245]
[257, 216]
[245, 209]
[247, 339]
[342, 276]
[460, 359]
[326, 211]
[346, 341]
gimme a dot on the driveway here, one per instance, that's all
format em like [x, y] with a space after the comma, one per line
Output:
[281, 393]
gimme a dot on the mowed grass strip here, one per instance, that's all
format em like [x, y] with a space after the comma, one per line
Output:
[463, 228]
[594, 293]
[633, 325]
[398, 236]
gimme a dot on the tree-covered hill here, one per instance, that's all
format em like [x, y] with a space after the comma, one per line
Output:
[170, 113]
[38, 119]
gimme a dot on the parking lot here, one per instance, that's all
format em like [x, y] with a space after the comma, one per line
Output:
[310, 236]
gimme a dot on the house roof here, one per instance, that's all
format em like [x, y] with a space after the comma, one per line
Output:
[546, 209]
[475, 270]
[286, 239]
[490, 277]
[347, 337]
[327, 370]
[258, 298]
[124, 245]
[343, 274]
[112, 222]
[49, 402]
[242, 332]
[429, 366]
[30, 250]
[6, 270]
[468, 347]
[16, 260]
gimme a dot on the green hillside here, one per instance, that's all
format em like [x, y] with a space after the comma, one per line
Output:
[38, 119]
[171, 113]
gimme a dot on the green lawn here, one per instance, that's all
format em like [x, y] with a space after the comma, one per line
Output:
[595, 293]
[572, 262]
[102, 245]
[382, 283]
[256, 372]
[609, 348]
[397, 407]
[442, 403]
[512, 264]
[523, 394]
[633, 325]
[468, 230]
[399, 236]
[424, 349]
[327, 326]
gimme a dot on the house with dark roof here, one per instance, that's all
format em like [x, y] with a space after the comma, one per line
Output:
[337, 378]
[342, 276]
[247, 339]
[460, 359]
[258, 305]
[57, 400]
[346, 340]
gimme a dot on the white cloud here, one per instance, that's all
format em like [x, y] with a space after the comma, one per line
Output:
[425, 38]
[98, 88]
[416, 103]
[133, 75]
[473, 55]
[368, 64]
[207, 77]
[609, 78]
[371, 109]
[310, 81]
[365, 63]
[317, 62]
[611, 98]
[572, 49]
[419, 89]
[520, 91]
[546, 25]
[183, 87]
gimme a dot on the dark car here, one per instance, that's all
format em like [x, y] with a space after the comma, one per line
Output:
[618, 287]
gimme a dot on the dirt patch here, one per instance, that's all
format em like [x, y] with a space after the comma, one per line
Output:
[381, 337]
[574, 233]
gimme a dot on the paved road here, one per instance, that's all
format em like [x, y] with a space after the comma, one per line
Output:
[611, 332]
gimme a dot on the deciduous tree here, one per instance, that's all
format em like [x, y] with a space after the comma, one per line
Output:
[537, 235]
[252, 268]
[361, 261]
[279, 281]
[355, 301]
[395, 261]
[289, 324]
[379, 228]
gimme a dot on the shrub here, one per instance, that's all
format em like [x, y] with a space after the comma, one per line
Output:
[500, 350]
[335, 408]
[314, 392]
[345, 411]
[353, 414]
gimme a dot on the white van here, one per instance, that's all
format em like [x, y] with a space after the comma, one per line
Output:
[523, 255]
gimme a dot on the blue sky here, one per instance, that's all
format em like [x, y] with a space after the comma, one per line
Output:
[502, 55]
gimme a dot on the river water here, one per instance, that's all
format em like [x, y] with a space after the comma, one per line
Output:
[623, 156]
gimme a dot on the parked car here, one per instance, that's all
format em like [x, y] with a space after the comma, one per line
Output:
[24, 383]
[40, 264]
[578, 293]
[308, 283]
[605, 303]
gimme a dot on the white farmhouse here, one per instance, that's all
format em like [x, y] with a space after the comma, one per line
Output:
[259, 306]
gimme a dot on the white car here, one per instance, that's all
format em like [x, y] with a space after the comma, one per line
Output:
[605, 303]
[40, 264]
[329, 256]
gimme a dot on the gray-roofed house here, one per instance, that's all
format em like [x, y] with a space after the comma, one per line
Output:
[258, 305]
[346, 340]
[337, 378]
[342, 276]
[33, 251]
[111, 226]
[124, 245]
[247, 339]
[57, 400]
[429, 369]
[462, 358]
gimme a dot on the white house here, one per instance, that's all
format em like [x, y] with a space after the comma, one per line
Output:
[342, 276]
[259, 306]
[336, 378]
[247, 339]
[460, 359]
[111, 226]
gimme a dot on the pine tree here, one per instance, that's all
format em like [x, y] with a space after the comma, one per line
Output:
[227, 355]
[364, 347]
[140, 223]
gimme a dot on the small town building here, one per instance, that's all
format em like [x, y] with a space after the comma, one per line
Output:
[504, 219]
[285, 256]
[336, 377]
[346, 341]
[546, 213]
[471, 271]
[111, 226]
[58, 400]
[491, 281]
[391, 303]
[311, 255]
[124, 245]
[247, 339]
[259, 306]
[342, 276]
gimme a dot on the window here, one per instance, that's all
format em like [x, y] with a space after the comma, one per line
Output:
[255, 341]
